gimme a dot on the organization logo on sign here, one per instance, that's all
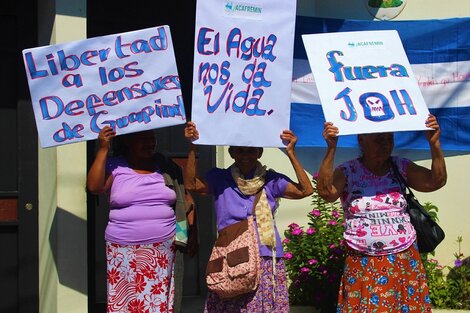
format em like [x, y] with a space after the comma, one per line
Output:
[365, 44]
[385, 9]
[245, 10]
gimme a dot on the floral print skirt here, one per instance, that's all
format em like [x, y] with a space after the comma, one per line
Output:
[271, 296]
[384, 284]
[140, 277]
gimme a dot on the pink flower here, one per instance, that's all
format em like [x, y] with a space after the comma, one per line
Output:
[304, 270]
[312, 261]
[311, 231]
[335, 214]
[315, 213]
[285, 241]
[293, 225]
[332, 246]
[297, 231]
[332, 222]
[288, 255]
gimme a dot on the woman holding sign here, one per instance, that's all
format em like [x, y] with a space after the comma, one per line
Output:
[147, 200]
[383, 269]
[234, 191]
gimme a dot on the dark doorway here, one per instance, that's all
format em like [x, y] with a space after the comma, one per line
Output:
[110, 17]
[19, 271]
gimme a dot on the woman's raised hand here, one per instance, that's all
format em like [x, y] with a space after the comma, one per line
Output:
[290, 138]
[190, 131]
[105, 136]
[330, 133]
[433, 135]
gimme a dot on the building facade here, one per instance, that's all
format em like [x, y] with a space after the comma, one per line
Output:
[51, 230]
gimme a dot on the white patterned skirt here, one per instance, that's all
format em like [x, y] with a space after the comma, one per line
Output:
[140, 278]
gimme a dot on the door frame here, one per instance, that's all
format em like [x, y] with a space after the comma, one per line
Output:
[27, 163]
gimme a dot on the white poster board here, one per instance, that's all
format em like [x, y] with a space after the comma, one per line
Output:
[365, 82]
[128, 81]
[242, 71]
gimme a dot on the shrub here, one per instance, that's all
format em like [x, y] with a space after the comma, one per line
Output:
[315, 259]
[315, 255]
[451, 291]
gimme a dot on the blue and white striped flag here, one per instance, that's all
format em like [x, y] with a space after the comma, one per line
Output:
[439, 54]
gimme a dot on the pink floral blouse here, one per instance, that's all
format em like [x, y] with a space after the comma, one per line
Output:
[375, 210]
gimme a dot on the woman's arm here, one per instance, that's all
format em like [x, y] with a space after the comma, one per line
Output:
[192, 182]
[330, 182]
[97, 180]
[421, 178]
[191, 216]
[304, 187]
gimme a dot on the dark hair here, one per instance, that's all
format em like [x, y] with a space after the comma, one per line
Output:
[119, 146]
[231, 148]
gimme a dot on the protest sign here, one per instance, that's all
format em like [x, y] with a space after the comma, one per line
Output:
[365, 82]
[242, 71]
[128, 81]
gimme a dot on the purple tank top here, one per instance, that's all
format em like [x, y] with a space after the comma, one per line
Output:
[140, 205]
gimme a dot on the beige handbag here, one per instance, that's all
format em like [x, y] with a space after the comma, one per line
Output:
[234, 265]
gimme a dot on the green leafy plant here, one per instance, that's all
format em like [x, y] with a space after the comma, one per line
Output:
[315, 258]
[315, 255]
[451, 291]
[432, 210]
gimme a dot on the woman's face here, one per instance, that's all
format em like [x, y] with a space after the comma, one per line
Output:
[245, 157]
[141, 144]
[378, 146]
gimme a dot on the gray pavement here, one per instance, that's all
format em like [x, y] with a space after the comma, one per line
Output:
[196, 305]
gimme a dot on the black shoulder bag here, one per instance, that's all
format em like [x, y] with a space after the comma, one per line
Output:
[429, 233]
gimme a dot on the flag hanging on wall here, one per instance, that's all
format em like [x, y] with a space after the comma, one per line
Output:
[439, 54]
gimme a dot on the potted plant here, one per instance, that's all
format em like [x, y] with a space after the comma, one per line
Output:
[315, 256]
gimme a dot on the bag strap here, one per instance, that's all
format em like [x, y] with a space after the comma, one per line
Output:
[403, 185]
[273, 249]
[255, 201]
